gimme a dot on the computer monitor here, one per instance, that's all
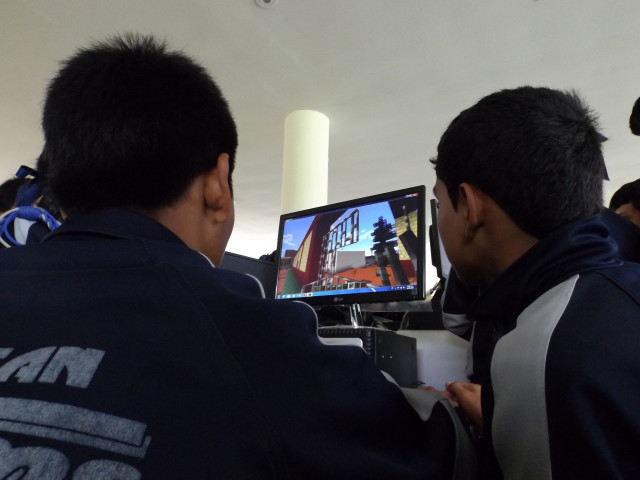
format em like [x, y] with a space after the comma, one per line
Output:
[366, 250]
[263, 270]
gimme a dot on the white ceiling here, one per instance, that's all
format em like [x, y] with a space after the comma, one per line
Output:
[390, 75]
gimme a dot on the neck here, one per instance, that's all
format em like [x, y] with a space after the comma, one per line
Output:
[183, 217]
[502, 243]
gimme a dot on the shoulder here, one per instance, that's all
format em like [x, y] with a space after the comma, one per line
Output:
[220, 288]
[597, 302]
[605, 296]
[202, 275]
[598, 329]
[625, 278]
[592, 294]
[590, 315]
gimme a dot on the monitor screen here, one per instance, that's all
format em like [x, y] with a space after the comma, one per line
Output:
[366, 250]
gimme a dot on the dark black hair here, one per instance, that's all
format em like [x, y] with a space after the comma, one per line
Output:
[634, 118]
[535, 151]
[47, 200]
[628, 193]
[8, 191]
[128, 123]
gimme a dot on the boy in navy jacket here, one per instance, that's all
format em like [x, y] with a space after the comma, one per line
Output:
[125, 353]
[555, 313]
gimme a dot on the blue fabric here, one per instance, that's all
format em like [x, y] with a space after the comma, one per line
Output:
[592, 364]
[577, 248]
[45, 221]
[214, 381]
[625, 233]
[29, 192]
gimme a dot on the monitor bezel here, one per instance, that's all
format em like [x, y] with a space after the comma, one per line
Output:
[370, 297]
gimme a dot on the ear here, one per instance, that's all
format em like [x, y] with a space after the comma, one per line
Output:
[217, 192]
[471, 205]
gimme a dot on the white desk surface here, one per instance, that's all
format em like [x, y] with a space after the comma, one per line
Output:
[442, 356]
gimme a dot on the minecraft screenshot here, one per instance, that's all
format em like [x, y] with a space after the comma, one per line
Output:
[365, 248]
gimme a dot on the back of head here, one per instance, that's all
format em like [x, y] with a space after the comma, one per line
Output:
[634, 118]
[535, 151]
[628, 193]
[128, 123]
[8, 192]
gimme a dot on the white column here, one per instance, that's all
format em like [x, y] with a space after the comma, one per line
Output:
[305, 169]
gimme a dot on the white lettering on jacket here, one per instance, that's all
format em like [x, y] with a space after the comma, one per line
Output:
[45, 365]
[68, 424]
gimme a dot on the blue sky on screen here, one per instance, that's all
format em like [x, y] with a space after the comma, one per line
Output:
[296, 229]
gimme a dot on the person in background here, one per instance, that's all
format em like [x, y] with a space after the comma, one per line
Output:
[127, 354]
[32, 214]
[8, 192]
[623, 221]
[554, 310]
[623, 215]
[626, 202]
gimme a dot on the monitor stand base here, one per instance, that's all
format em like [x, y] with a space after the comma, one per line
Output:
[355, 314]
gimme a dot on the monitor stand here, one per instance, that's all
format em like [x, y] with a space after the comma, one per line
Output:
[355, 314]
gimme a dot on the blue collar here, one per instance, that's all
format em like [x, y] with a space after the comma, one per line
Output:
[116, 223]
[579, 247]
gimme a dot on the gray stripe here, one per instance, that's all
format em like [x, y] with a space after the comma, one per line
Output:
[72, 424]
[457, 323]
[520, 430]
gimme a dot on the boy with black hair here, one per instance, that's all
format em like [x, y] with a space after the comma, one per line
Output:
[125, 354]
[8, 190]
[626, 202]
[555, 313]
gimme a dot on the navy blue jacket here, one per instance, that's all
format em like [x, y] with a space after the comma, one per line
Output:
[124, 352]
[556, 347]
